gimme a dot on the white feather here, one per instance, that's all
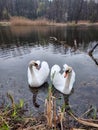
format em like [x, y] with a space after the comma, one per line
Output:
[37, 77]
[64, 85]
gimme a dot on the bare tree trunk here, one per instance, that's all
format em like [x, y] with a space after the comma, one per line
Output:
[79, 11]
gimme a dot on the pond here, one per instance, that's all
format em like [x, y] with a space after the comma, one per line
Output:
[19, 45]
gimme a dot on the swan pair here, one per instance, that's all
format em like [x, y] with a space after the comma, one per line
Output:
[37, 75]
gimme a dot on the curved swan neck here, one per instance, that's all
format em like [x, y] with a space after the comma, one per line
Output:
[67, 81]
[31, 68]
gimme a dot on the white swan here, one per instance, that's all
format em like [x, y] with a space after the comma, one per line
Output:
[63, 82]
[37, 76]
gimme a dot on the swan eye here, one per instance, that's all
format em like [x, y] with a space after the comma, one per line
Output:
[35, 64]
[67, 71]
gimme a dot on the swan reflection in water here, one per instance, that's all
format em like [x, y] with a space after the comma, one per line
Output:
[64, 99]
[35, 92]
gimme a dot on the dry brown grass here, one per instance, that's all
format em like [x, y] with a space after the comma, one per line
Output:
[52, 116]
[21, 21]
[13, 117]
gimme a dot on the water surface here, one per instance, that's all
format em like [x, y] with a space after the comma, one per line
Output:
[19, 45]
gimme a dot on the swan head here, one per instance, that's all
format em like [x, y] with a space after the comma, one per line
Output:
[38, 62]
[34, 64]
[67, 69]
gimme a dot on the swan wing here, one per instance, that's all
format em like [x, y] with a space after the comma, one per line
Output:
[43, 72]
[55, 69]
[57, 78]
[58, 81]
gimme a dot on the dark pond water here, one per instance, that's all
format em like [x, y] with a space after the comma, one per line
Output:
[19, 45]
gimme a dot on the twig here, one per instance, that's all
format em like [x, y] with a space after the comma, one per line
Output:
[90, 120]
[86, 112]
[82, 121]
[40, 99]
[77, 129]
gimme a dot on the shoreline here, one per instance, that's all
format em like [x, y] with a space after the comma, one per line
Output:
[35, 23]
[5, 23]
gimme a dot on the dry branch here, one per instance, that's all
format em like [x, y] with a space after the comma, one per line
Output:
[77, 129]
[91, 51]
[82, 121]
[91, 54]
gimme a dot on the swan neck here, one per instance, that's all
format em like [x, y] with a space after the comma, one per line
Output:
[31, 68]
[68, 78]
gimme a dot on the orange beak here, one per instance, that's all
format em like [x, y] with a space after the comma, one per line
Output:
[65, 75]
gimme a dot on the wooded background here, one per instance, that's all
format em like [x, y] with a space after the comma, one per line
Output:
[55, 10]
